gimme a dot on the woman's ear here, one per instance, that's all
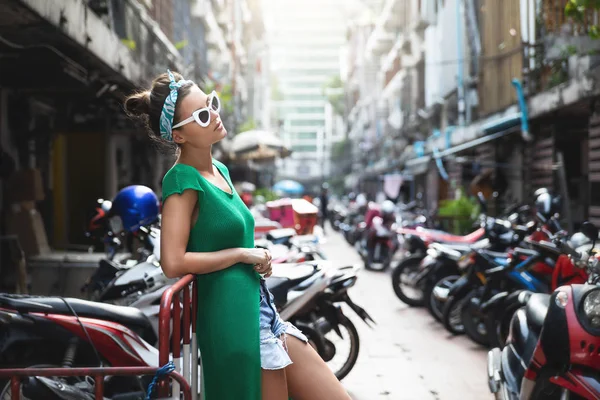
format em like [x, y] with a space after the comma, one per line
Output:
[177, 138]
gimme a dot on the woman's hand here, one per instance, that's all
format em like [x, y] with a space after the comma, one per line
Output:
[261, 259]
[256, 256]
[265, 269]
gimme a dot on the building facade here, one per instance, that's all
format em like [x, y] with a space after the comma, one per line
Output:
[471, 90]
[304, 43]
[65, 122]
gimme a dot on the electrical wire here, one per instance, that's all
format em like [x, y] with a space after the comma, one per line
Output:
[84, 330]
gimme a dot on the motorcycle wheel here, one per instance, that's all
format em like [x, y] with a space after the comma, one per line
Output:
[443, 279]
[498, 325]
[546, 390]
[382, 266]
[475, 326]
[352, 335]
[451, 316]
[408, 266]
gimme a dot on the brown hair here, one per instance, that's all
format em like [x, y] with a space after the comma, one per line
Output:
[147, 105]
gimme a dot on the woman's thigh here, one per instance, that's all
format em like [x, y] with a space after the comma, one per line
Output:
[274, 385]
[309, 378]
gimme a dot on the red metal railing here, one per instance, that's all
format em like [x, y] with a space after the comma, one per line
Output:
[170, 319]
[170, 327]
[15, 376]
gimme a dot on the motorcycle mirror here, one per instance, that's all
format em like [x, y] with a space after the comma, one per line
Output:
[590, 231]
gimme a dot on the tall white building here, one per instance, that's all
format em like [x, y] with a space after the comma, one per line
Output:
[305, 38]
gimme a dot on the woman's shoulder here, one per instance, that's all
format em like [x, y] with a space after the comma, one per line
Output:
[181, 171]
[180, 178]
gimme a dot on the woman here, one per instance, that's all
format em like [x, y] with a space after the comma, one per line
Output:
[247, 352]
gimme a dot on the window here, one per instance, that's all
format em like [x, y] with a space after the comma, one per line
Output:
[304, 71]
[307, 122]
[306, 135]
[289, 108]
[304, 148]
[302, 97]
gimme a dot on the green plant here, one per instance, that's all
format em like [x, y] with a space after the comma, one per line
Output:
[248, 125]
[340, 150]
[558, 73]
[226, 97]
[181, 44]
[463, 211]
[130, 43]
[267, 193]
[334, 92]
[577, 10]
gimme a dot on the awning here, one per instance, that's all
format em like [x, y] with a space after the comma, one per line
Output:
[478, 141]
[418, 166]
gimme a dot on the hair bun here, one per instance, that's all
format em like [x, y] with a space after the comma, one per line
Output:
[138, 104]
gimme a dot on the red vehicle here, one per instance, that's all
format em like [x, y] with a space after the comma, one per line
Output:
[56, 332]
[552, 350]
[380, 241]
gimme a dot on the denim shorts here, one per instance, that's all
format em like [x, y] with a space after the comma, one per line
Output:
[273, 348]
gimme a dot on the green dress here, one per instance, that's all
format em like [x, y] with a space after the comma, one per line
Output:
[228, 300]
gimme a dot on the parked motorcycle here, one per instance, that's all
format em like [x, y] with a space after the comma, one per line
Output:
[60, 332]
[380, 241]
[552, 348]
[309, 295]
[500, 308]
[411, 278]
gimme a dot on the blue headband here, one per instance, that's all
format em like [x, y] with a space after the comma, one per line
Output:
[168, 110]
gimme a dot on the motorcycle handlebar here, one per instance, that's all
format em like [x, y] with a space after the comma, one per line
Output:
[135, 286]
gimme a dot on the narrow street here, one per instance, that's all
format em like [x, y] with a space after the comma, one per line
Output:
[408, 356]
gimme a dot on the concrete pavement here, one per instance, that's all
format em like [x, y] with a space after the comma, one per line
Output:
[408, 356]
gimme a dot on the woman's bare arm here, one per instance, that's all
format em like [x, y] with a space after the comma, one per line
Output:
[176, 261]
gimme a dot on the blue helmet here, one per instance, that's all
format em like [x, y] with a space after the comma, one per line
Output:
[137, 206]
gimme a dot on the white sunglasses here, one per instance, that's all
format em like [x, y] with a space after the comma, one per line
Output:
[202, 116]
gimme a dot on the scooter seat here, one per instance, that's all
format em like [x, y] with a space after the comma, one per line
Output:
[281, 236]
[287, 276]
[461, 248]
[448, 238]
[536, 310]
[130, 317]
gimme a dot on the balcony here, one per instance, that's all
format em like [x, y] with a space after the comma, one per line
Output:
[393, 82]
[215, 36]
[539, 50]
[395, 15]
[126, 40]
[379, 42]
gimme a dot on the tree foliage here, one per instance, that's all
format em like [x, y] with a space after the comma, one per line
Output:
[340, 150]
[335, 94]
[226, 97]
[248, 125]
[577, 10]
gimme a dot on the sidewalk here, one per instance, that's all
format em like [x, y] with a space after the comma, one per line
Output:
[408, 356]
